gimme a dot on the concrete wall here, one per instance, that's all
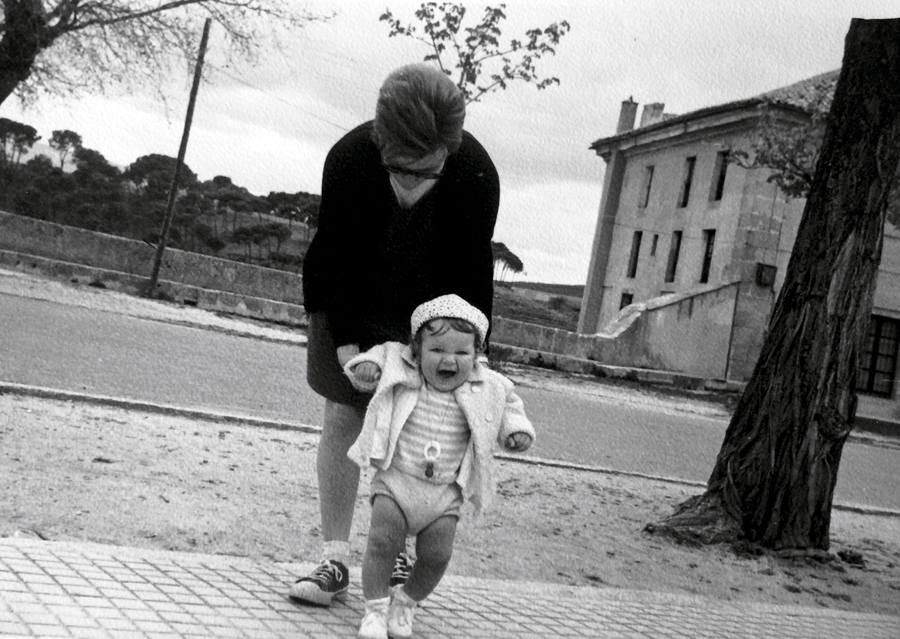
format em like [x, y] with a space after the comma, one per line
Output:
[65, 243]
[543, 296]
[684, 333]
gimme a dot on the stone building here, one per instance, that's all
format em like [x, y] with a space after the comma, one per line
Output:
[704, 244]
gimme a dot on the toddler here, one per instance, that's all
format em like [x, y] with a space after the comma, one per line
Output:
[430, 431]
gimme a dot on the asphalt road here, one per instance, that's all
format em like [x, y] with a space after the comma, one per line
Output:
[71, 348]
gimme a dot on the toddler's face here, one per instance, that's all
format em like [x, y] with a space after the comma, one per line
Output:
[447, 359]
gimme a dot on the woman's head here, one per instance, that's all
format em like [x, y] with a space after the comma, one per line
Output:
[420, 112]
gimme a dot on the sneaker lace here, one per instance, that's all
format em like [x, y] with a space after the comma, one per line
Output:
[326, 571]
[402, 568]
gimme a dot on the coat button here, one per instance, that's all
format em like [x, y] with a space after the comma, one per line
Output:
[476, 389]
[488, 418]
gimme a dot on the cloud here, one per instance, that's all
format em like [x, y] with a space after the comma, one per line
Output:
[550, 226]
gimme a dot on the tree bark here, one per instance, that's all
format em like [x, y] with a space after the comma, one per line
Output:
[24, 37]
[774, 478]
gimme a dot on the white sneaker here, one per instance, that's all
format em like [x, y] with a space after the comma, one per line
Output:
[400, 615]
[374, 624]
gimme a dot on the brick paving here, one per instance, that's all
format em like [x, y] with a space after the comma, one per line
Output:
[91, 591]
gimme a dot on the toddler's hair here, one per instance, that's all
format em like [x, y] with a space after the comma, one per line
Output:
[439, 326]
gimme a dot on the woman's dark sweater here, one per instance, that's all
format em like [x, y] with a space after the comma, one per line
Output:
[372, 262]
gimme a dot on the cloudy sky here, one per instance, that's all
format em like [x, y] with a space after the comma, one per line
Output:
[269, 127]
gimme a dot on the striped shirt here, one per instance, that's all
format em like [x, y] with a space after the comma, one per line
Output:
[436, 431]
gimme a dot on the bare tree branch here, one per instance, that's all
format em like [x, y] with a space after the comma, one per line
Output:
[95, 44]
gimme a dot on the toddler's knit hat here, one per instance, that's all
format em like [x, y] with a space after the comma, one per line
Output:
[450, 306]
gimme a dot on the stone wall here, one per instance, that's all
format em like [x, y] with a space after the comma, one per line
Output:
[78, 246]
[88, 257]
[687, 333]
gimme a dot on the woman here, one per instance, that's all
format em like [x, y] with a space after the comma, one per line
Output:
[406, 199]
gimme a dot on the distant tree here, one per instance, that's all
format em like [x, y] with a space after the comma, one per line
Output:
[475, 58]
[16, 139]
[64, 142]
[153, 173]
[246, 236]
[279, 233]
[98, 202]
[32, 190]
[207, 237]
[276, 199]
[309, 214]
[75, 46]
[283, 205]
[39, 165]
[788, 141]
[91, 167]
[189, 209]
[505, 261]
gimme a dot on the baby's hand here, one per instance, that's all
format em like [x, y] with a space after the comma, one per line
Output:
[518, 442]
[367, 372]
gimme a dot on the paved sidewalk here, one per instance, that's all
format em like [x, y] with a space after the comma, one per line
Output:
[63, 589]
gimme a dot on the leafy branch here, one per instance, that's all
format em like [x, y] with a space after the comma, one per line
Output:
[788, 140]
[471, 50]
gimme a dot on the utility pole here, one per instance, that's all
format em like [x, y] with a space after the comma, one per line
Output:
[173, 191]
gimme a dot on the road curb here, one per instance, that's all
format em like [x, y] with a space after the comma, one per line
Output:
[150, 407]
[191, 413]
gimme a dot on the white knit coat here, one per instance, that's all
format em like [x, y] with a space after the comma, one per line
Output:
[492, 408]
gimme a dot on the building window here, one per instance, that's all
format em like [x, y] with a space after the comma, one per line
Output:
[635, 253]
[653, 245]
[627, 298]
[645, 187]
[674, 250]
[709, 240]
[719, 171]
[686, 183]
[878, 365]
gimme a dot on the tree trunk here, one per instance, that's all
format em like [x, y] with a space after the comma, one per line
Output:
[24, 37]
[774, 478]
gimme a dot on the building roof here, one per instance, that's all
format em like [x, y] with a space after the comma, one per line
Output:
[800, 94]
[797, 95]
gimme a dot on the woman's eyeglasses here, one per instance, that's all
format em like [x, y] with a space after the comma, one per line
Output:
[424, 175]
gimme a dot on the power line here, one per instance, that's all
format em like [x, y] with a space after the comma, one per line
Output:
[282, 100]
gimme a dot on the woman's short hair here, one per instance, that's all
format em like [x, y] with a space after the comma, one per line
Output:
[419, 111]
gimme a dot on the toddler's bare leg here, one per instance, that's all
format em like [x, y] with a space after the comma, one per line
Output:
[434, 547]
[387, 537]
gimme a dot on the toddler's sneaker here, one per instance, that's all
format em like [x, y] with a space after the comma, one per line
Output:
[329, 579]
[402, 567]
[374, 624]
[400, 615]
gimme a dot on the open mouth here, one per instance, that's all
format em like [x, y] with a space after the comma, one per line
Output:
[446, 374]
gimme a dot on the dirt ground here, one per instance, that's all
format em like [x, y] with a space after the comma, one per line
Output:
[72, 471]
